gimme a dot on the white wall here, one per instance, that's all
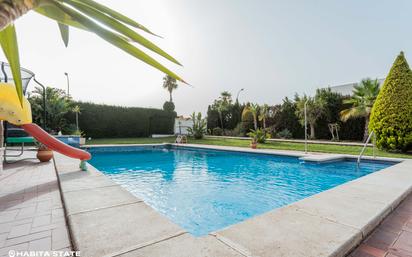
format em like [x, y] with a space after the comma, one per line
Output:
[181, 125]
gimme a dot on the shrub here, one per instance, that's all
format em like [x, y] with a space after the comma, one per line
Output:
[100, 121]
[168, 106]
[199, 126]
[258, 135]
[285, 134]
[217, 131]
[237, 131]
[391, 117]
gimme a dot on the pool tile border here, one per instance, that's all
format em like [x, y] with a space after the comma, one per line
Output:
[315, 226]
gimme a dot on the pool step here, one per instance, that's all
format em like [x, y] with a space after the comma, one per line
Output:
[319, 158]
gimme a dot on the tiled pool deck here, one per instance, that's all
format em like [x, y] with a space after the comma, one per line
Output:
[106, 220]
[31, 210]
[392, 238]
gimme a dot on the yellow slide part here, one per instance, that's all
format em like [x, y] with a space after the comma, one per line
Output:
[10, 108]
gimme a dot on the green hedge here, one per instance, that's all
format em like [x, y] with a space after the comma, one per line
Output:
[391, 117]
[106, 121]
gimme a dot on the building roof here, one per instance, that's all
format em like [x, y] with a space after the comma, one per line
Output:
[346, 89]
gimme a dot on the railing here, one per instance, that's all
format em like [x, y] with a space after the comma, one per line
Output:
[366, 145]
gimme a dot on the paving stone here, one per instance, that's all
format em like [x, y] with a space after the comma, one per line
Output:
[81, 181]
[7, 216]
[43, 244]
[392, 237]
[20, 230]
[19, 247]
[290, 232]
[104, 231]
[44, 205]
[3, 238]
[96, 198]
[28, 238]
[334, 204]
[185, 246]
[52, 226]
[368, 251]
[27, 212]
[60, 238]
[60, 234]
[404, 242]
[381, 239]
[57, 213]
[41, 220]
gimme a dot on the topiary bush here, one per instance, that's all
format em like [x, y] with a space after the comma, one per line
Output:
[391, 117]
[168, 106]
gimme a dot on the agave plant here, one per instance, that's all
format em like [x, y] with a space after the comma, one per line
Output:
[199, 126]
[88, 15]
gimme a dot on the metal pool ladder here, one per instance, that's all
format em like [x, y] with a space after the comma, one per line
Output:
[366, 145]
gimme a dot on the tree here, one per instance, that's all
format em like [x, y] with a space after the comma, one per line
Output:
[362, 100]
[76, 111]
[58, 105]
[264, 113]
[169, 106]
[333, 104]
[170, 84]
[222, 104]
[391, 116]
[314, 110]
[254, 110]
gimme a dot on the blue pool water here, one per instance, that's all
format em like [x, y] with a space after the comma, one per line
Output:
[204, 190]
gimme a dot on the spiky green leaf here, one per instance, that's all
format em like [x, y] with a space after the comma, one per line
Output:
[8, 41]
[115, 39]
[119, 27]
[64, 32]
[115, 14]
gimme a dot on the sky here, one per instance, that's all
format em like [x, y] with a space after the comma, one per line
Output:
[270, 48]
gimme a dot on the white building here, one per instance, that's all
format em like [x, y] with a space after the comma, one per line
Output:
[346, 89]
[182, 124]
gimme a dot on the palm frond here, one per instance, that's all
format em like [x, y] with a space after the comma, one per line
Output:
[89, 15]
[8, 42]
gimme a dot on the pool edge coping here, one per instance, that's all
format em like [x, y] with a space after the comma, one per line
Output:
[343, 249]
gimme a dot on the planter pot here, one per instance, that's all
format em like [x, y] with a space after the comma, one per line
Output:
[253, 145]
[44, 155]
[82, 141]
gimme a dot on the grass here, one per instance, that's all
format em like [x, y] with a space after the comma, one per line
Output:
[340, 149]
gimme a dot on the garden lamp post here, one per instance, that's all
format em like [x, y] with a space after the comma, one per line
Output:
[306, 127]
[68, 84]
[237, 96]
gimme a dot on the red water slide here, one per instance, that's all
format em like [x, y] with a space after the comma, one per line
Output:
[54, 144]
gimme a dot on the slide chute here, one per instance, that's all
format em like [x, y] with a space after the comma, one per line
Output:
[54, 144]
[13, 111]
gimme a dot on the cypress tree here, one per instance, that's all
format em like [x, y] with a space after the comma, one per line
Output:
[391, 117]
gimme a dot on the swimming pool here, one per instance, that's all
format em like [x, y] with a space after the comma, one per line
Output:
[205, 190]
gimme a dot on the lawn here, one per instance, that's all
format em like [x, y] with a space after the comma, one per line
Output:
[245, 143]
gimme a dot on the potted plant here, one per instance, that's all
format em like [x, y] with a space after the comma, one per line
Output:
[258, 136]
[82, 139]
[253, 143]
[44, 154]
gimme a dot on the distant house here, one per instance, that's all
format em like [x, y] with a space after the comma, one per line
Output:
[346, 89]
[182, 124]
